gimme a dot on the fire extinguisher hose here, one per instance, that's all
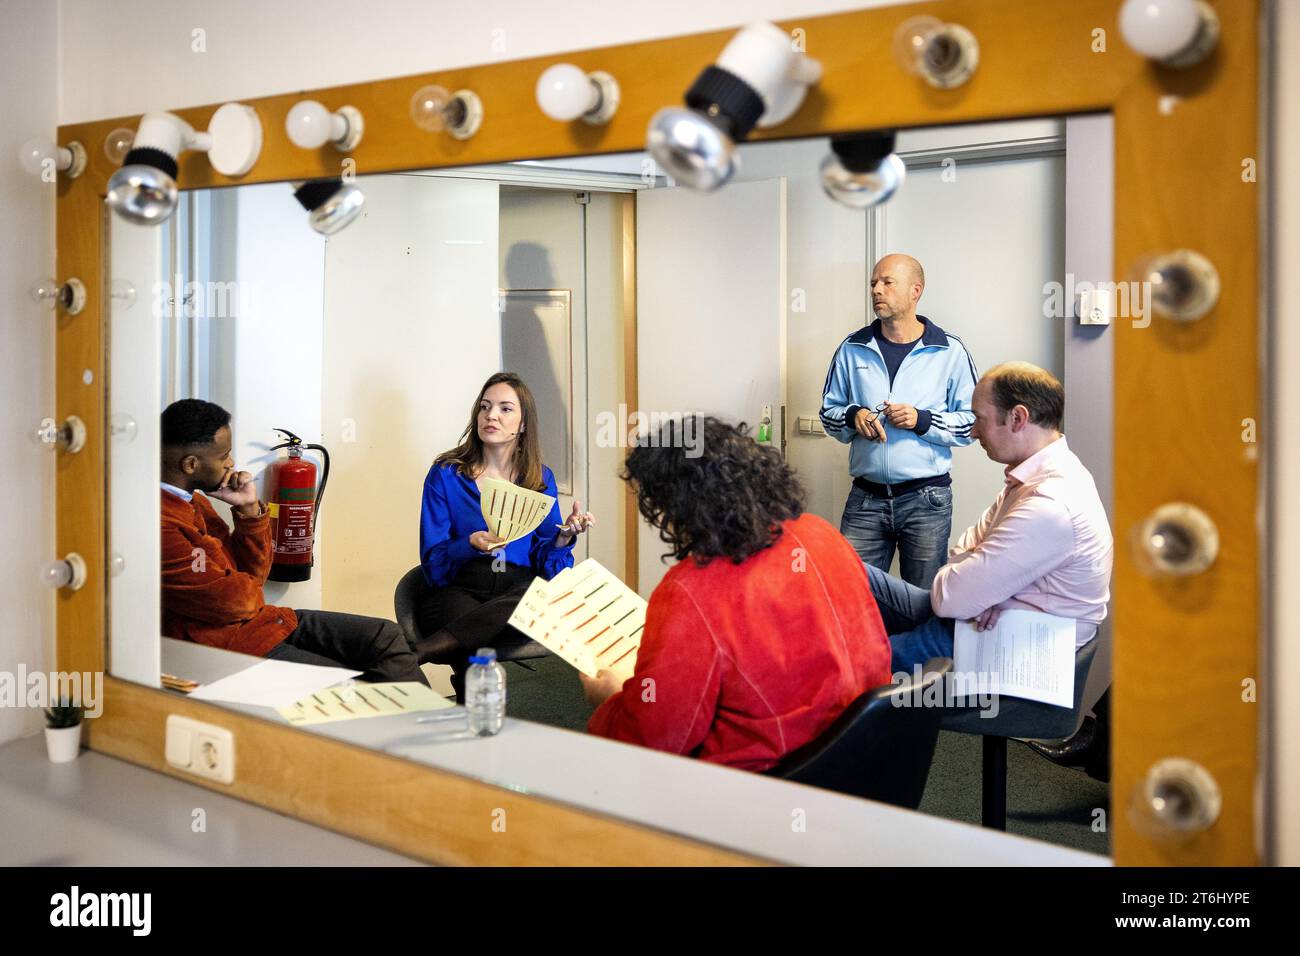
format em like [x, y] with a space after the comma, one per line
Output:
[324, 477]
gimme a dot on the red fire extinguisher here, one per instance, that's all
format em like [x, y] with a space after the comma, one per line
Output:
[294, 503]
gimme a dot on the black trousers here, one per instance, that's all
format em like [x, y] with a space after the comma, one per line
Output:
[377, 647]
[476, 605]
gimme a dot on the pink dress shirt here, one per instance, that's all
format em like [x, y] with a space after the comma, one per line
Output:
[1043, 545]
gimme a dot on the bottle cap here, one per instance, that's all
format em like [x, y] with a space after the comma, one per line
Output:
[485, 655]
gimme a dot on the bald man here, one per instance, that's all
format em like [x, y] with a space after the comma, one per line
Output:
[1043, 545]
[899, 393]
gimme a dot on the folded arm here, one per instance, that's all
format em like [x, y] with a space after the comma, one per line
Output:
[1030, 541]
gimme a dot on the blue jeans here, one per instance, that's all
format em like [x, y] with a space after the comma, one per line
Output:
[917, 524]
[916, 633]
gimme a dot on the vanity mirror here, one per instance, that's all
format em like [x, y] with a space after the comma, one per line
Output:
[395, 320]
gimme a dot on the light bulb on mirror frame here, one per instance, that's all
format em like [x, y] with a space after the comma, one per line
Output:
[1178, 539]
[759, 79]
[435, 110]
[69, 437]
[310, 125]
[1181, 285]
[862, 170]
[566, 92]
[44, 158]
[945, 55]
[123, 427]
[69, 296]
[69, 572]
[331, 204]
[122, 293]
[1174, 33]
[118, 143]
[144, 190]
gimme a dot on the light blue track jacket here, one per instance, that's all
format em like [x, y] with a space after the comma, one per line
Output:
[937, 377]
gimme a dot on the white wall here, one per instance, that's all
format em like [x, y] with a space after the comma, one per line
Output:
[274, 357]
[29, 76]
[254, 48]
[411, 334]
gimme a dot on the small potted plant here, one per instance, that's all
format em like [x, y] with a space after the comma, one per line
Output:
[63, 731]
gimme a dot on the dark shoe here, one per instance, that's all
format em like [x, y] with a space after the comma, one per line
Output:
[1073, 751]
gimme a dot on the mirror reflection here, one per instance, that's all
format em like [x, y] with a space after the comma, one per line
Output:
[698, 472]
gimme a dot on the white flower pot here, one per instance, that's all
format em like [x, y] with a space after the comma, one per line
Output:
[63, 743]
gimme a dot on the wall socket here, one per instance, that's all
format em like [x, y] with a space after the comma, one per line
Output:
[204, 750]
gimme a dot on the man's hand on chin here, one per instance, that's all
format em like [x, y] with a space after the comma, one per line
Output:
[239, 491]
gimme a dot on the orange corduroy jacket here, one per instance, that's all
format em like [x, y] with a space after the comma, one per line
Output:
[212, 579]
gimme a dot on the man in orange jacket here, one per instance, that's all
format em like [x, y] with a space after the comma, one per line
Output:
[212, 577]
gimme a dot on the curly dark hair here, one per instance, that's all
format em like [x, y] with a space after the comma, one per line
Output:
[711, 490]
[192, 421]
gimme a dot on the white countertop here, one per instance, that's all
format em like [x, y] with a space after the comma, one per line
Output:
[718, 805]
[100, 811]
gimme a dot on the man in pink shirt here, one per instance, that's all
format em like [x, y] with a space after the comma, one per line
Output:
[1043, 545]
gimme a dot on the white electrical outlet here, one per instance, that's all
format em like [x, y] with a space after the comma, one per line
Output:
[204, 750]
[1094, 307]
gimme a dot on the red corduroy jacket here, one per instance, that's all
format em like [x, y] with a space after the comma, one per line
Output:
[212, 579]
[742, 663]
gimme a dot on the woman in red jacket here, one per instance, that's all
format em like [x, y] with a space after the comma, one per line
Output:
[764, 631]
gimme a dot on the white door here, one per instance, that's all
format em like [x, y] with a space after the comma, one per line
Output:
[710, 312]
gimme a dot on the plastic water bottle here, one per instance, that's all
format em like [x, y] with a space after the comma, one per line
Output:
[485, 693]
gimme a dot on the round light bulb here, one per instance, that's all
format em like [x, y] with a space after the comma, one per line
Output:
[309, 124]
[142, 194]
[46, 434]
[44, 291]
[123, 427]
[34, 154]
[122, 292]
[565, 92]
[57, 574]
[862, 189]
[693, 150]
[1159, 28]
[428, 108]
[118, 144]
[910, 39]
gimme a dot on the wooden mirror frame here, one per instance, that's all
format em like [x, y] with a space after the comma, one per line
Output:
[1182, 647]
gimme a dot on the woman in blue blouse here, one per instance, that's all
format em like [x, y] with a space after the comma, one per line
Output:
[471, 594]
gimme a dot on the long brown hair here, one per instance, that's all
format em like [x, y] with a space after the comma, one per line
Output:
[468, 455]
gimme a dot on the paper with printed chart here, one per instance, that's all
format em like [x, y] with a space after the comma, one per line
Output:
[586, 616]
[1026, 654]
[353, 701]
[512, 512]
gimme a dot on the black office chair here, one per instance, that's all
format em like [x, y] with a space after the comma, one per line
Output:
[880, 748]
[1020, 719]
[406, 599]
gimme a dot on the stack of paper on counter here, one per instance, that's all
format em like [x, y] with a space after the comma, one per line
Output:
[363, 700]
[586, 616]
[512, 512]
